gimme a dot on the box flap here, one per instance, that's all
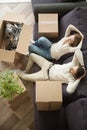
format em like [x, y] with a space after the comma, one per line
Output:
[47, 28]
[7, 56]
[48, 17]
[1, 33]
[15, 17]
[25, 37]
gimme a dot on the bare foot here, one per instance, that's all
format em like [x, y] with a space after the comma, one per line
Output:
[32, 42]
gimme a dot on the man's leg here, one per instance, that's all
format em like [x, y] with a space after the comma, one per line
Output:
[37, 59]
[42, 63]
[41, 75]
[78, 58]
[29, 65]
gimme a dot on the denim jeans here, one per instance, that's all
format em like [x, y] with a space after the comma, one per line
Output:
[41, 47]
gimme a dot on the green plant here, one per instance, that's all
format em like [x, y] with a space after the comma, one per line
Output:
[9, 84]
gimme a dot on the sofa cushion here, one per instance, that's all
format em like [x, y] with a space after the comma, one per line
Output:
[76, 114]
[50, 120]
[78, 18]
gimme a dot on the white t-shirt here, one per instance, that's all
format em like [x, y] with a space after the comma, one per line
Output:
[61, 73]
[59, 49]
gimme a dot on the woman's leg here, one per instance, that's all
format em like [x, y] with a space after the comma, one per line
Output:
[40, 51]
[43, 41]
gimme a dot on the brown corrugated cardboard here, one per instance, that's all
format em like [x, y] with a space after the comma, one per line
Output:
[14, 17]
[48, 25]
[48, 95]
[23, 43]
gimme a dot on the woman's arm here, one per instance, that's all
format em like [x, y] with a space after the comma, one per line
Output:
[73, 49]
[72, 28]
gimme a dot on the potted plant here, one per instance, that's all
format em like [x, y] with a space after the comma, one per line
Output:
[10, 84]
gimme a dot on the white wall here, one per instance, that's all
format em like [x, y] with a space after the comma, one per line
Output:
[12, 1]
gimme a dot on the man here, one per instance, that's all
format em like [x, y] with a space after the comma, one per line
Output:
[70, 73]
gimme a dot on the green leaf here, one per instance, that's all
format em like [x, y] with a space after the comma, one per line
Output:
[9, 84]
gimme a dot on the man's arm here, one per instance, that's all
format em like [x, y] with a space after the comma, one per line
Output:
[78, 58]
[72, 86]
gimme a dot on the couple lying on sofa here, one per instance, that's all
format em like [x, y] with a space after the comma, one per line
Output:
[70, 73]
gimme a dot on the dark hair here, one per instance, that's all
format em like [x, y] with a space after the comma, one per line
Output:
[76, 40]
[80, 72]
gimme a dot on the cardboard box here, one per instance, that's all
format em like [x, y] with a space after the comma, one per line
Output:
[20, 82]
[23, 43]
[17, 97]
[48, 25]
[48, 95]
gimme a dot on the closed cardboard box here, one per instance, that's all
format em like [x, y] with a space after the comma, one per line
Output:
[48, 25]
[48, 95]
[24, 38]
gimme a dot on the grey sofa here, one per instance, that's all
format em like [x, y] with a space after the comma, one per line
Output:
[73, 114]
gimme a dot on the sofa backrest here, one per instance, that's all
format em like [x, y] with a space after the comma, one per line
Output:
[52, 1]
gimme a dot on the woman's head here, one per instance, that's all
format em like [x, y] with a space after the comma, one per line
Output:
[74, 39]
[77, 39]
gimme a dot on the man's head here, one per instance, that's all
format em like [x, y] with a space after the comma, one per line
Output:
[77, 71]
[74, 39]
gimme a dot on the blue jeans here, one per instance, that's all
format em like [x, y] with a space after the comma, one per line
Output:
[41, 47]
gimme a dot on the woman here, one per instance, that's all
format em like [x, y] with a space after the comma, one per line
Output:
[69, 43]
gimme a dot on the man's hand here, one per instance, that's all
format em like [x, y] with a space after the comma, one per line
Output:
[83, 74]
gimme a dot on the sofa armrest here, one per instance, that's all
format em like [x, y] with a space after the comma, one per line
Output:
[76, 114]
[60, 8]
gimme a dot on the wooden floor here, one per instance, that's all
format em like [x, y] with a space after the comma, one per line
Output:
[17, 115]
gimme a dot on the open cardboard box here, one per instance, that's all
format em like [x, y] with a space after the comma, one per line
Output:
[48, 95]
[23, 43]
